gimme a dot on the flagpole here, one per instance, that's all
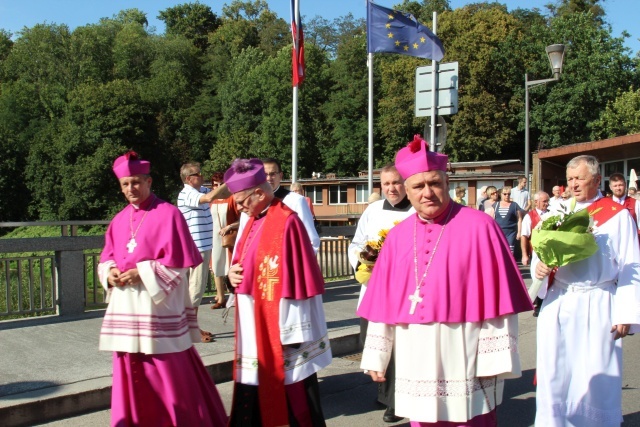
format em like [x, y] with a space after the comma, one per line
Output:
[434, 92]
[294, 127]
[370, 179]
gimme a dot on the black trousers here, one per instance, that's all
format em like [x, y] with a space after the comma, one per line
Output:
[387, 389]
[245, 411]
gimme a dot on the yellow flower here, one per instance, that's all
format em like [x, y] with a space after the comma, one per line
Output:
[383, 233]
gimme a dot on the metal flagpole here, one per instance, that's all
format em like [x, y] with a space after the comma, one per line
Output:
[434, 92]
[294, 130]
[370, 65]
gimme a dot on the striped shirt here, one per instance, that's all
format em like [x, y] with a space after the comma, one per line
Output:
[197, 215]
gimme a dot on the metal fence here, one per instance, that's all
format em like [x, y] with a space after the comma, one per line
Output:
[63, 278]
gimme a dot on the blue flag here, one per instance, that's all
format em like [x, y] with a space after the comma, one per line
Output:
[393, 31]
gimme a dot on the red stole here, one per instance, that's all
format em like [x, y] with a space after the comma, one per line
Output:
[267, 295]
[603, 209]
[535, 218]
[630, 205]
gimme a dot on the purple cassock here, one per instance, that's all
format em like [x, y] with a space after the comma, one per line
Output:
[472, 276]
[164, 237]
[158, 376]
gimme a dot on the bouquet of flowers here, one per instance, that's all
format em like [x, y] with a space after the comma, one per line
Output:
[368, 257]
[561, 238]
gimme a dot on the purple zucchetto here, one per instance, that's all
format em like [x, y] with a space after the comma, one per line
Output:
[416, 158]
[130, 164]
[244, 173]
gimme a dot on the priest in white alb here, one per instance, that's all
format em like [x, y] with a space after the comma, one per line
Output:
[445, 292]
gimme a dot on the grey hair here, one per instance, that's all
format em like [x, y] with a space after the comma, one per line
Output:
[592, 163]
[536, 196]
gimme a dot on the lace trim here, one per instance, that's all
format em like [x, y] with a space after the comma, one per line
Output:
[603, 416]
[378, 343]
[498, 344]
[444, 388]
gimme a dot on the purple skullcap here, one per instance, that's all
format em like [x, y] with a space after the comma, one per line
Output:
[416, 158]
[130, 164]
[244, 173]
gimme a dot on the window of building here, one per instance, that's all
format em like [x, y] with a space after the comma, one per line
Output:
[361, 193]
[314, 192]
[613, 167]
[337, 194]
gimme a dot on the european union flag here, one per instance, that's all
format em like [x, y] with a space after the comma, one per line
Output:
[393, 31]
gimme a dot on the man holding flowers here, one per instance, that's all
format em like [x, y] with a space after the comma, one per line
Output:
[445, 293]
[375, 222]
[588, 306]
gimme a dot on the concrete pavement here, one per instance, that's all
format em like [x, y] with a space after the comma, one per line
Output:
[54, 371]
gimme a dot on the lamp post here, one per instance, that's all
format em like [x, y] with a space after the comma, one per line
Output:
[555, 52]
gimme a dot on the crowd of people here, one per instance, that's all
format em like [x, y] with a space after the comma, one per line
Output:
[439, 310]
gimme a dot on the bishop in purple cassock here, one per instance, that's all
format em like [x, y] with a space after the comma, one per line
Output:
[445, 291]
[150, 324]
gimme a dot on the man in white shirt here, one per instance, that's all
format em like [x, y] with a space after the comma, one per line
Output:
[296, 202]
[555, 198]
[520, 195]
[529, 222]
[193, 202]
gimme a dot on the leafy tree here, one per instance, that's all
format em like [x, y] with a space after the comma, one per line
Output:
[343, 146]
[132, 52]
[192, 20]
[5, 44]
[564, 8]
[596, 68]
[131, 16]
[621, 117]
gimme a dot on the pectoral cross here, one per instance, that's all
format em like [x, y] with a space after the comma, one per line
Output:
[415, 299]
[131, 245]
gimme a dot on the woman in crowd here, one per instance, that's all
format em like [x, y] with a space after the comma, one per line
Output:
[460, 193]
[492, 198]
[225, 215]
[508, 215]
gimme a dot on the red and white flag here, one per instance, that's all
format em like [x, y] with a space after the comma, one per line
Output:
[298, 45]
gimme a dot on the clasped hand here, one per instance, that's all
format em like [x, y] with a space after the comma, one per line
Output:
[117, 278]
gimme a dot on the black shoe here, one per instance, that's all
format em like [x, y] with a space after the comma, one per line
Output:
[390, 416]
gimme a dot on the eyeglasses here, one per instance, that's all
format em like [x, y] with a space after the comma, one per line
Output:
[272, 174]
[195, 174]
[241, 202]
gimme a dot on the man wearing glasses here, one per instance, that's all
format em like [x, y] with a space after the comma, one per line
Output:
[193, 202]
[294, 201]
[281, 334]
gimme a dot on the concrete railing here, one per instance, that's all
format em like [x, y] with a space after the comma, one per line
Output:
[58, 275]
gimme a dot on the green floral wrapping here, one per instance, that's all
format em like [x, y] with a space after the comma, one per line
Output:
[571, 241]
[558, 248]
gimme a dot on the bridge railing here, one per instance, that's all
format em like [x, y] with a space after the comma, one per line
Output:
[58, 275]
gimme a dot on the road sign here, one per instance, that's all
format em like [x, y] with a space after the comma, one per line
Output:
[447, 90]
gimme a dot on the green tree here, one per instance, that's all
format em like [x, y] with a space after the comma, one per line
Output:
[597, 67]
[192, 20]
[621, 117]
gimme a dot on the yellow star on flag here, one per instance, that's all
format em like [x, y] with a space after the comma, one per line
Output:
[397, 42]
[415, 45]
[388, 25]
[390, 16]
[390, 35]
[406, 48]
[422, 40]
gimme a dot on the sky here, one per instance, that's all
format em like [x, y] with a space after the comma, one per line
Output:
[17, 14]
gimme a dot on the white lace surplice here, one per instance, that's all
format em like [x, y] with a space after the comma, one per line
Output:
[446, 372]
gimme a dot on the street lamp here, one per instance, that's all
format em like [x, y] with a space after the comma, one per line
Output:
[556, 58]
